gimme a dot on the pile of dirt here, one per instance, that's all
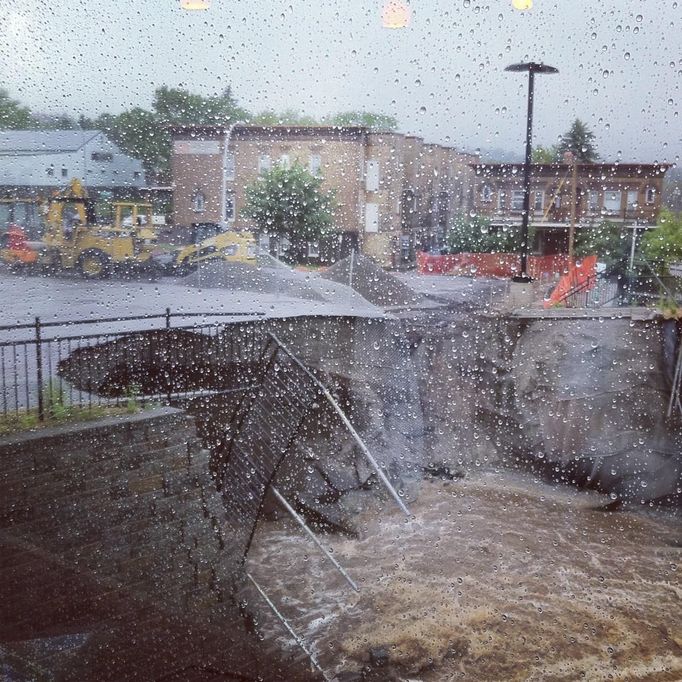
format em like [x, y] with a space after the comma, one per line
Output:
[373, 283]
[270, 279]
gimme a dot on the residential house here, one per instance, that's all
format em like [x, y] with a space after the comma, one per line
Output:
[33, 163]
[625, 193]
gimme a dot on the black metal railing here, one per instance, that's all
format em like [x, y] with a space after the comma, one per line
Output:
[621, 285]
[50, 367]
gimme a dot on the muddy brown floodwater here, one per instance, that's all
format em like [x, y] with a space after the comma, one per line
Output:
[496, 577]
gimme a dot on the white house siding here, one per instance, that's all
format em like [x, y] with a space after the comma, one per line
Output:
[26, 156]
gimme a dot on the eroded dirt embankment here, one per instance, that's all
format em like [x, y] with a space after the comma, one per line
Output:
[497, 577]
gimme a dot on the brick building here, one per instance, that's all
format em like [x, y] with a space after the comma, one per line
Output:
[625, 193]
[394, 192]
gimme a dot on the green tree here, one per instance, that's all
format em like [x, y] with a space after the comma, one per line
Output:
[139, 133]
[579, 140]
[473, 234]
[286, 117]
[663, 245]
[13, 115]
[608, 241]
[368, 119]
[178, 106]
[290, 202]
[144, 134]
[545, 154]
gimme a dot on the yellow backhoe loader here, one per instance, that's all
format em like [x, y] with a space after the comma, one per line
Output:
[72, 239]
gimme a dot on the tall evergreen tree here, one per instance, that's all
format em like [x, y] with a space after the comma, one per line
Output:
[580, 141]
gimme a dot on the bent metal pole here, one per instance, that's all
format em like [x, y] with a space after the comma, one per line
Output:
[313, 537]
[348, 425]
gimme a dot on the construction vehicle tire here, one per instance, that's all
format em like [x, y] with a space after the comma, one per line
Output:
[183, 268]
[93, 264]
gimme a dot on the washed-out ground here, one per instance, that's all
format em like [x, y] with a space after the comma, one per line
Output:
[496, 577]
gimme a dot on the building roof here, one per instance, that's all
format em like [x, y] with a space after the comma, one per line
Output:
[514, 171]
[44, 141]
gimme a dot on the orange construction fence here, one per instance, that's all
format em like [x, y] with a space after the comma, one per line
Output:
[581, 275]
[490, 264]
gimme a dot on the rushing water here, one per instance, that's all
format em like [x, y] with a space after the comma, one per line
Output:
[496, 577]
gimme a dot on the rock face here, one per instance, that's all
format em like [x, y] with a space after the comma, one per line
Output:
[586, 398]
[592, 396]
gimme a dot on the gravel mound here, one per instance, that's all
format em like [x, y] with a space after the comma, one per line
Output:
[272, 278]
[373, 283]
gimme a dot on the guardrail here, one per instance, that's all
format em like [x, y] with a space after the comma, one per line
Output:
[39, 375]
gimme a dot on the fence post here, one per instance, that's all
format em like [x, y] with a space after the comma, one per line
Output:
[169, 364]
[39, 372]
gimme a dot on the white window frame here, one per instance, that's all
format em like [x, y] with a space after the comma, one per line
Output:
[199, 201]
[264, 164]
[371, 218]
[515, 194]
[539, 194]
[650, 196]
[315, 165]
[611, 197]
[487, 194]
[314, 249]
[632, 205]
[285, 161]
[501, 200]
[593, 201]
[372, 180]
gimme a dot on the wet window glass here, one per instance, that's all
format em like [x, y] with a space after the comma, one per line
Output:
[340, 341]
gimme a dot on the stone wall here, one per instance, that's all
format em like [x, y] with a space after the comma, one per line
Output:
[129, 499]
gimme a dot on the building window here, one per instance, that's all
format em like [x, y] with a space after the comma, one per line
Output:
[593, 201]
[136, 175]
[264, 164]
[313, 249]
[315, 164]
[50, 171]
[501, 200]
[517, 200]
[199, 202]
[285, 161]
[633, 202]
[229, 167]
[612, 202]
[372, 175]
[229, 207]
[487, 194]
[538, 200]
[650, 195]
[102, 156]
[371, 217]
[65, 172]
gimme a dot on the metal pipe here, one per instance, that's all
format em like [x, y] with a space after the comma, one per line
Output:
[313, 537]
[290, 630]
[348, 425]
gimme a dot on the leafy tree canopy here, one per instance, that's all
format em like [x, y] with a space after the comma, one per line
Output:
[367, 119]
[13, 116]
[663, 245]
[290, 202]
[287, 117]
[608, 241]
[580, 141]
[473, 234]
[546, 154]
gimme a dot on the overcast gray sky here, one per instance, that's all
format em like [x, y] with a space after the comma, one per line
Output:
[620, 63]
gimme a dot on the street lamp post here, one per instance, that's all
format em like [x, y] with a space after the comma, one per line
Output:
[532, 68]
